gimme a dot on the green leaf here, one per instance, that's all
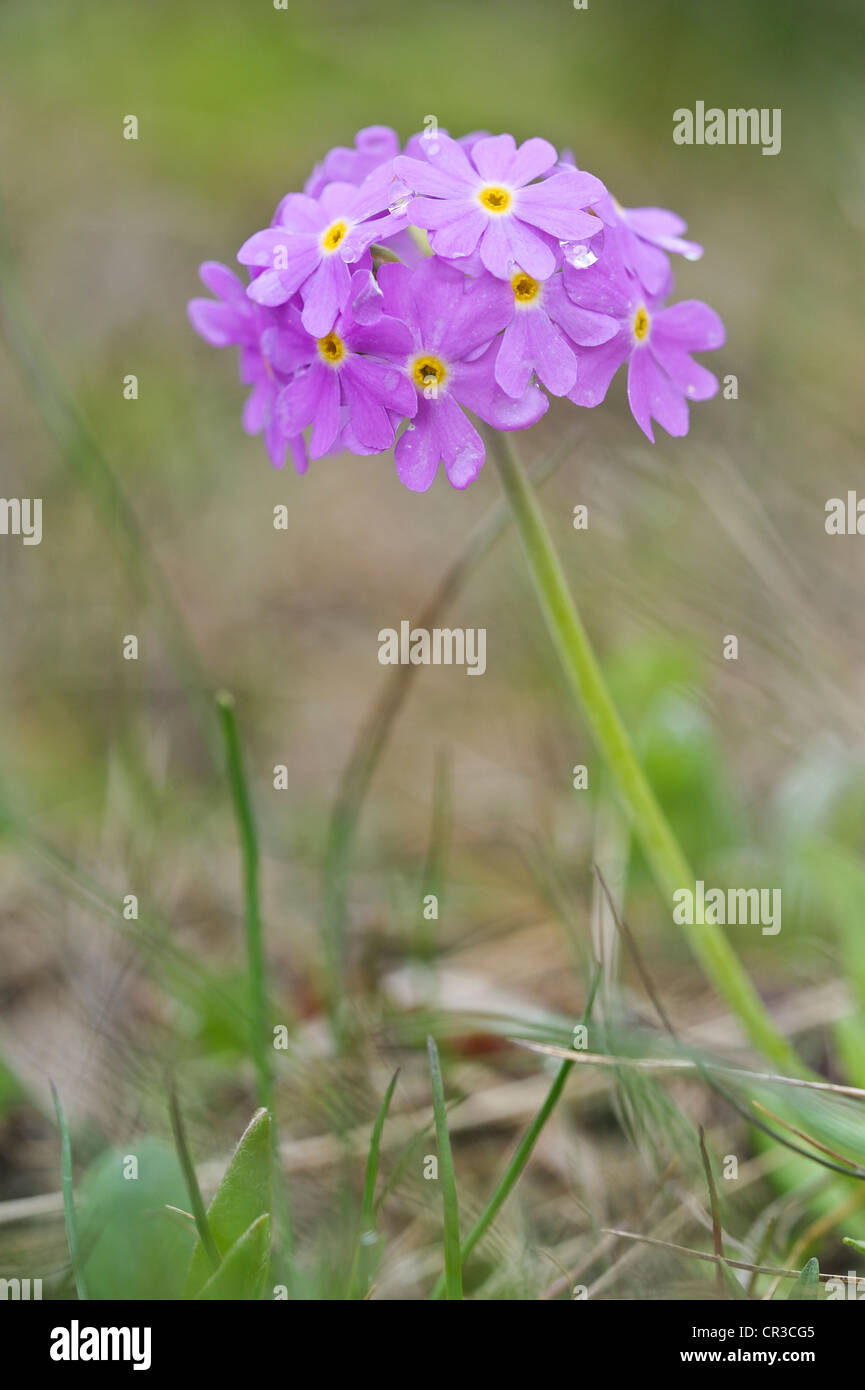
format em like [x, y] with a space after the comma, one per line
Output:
[131, 1247]
[243, 1271]
[243, 1195]
[855, 1244]
[808, 1283]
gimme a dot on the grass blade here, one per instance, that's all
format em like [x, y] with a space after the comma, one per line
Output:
[523, 1151]
[360, 1266]
[259, 1039]
[196, 1200]
[69, 1196]
[453, 1259]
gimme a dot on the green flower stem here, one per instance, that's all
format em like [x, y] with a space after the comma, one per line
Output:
[660, 846]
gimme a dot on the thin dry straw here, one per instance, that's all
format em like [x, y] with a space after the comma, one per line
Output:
[685, 1064]
[717, 1229]
[714, 1259]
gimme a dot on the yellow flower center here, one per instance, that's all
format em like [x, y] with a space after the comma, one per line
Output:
[495, 198]
[428, 371]
[525, 288]
[331, 348]
[334, 235]
[641, 324]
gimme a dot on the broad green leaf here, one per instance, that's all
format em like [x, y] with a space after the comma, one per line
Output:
[243, 1195]
[244, 1268]
[131, 1246]
[808, 1283]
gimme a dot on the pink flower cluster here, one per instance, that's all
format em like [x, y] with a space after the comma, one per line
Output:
[403, 289]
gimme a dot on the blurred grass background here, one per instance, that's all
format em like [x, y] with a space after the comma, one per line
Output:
[758, 761]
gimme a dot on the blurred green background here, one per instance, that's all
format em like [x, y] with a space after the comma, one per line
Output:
[109, 777]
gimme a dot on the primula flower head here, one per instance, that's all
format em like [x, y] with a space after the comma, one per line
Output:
[408, 293]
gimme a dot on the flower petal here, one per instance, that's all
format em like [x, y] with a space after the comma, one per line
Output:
[475, 386]
[513, 368]
[584, 326]
[493, 155]
[652, 395]
[461, 446]
[533, 158]
[558, 203]
[596, 368]
[218, 324]
[694, 324]
[370, 421]
[429, 180]
[222, 282]
[553, 359]
[256, 407]
[325, 293]
[418, 451]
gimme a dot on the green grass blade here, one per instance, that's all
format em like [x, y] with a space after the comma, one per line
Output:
[190, 1177]
[453, 1259]
[259, 1035]
[359, 1281]
[523, 1150]
[69, 1196]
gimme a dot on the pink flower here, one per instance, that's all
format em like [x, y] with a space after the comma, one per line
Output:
[487, 198]
[655, 342]
[453, 322]
[313, 244]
